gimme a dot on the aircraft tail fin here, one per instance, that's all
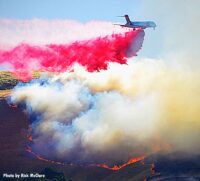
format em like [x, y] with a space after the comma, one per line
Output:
[127, 19]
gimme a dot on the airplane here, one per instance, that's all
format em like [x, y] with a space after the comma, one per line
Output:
[137, 24]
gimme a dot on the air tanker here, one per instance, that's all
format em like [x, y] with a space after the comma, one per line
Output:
[137, 24]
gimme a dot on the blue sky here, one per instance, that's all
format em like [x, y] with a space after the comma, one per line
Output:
[84, 11]
[174, 18]
[81, 10]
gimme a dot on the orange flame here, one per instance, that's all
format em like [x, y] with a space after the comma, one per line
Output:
[114, 168]
[118, 167]
[28, 149]
[30, 138]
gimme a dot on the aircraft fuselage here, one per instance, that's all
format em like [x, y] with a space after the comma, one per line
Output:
[140, 24]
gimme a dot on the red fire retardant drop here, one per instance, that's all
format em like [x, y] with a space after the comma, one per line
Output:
[94, 54]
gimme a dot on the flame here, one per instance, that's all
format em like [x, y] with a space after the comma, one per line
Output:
[30, 138]
[114, 168]
[28, 149]
[118, 167]
[39, 157]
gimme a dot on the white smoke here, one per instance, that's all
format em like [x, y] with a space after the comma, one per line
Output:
[177, 34]
[74, 124]
[115, 114]
[146, 106]
[40, 32]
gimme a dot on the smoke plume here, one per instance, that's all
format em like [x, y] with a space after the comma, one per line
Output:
[115, 114]
[123, 111]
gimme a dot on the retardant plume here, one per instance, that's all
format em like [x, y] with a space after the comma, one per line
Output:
[110, 116]
[94, 54]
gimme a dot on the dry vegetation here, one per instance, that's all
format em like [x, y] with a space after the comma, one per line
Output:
[5, 93]
[8, 82]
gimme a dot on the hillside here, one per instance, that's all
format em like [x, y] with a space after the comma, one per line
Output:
[8, 82]
[14, 158]
[13, 133]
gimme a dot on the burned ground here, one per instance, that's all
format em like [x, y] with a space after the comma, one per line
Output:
[14, 158]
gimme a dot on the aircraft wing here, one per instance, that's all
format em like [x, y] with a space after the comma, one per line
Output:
[119, 25]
